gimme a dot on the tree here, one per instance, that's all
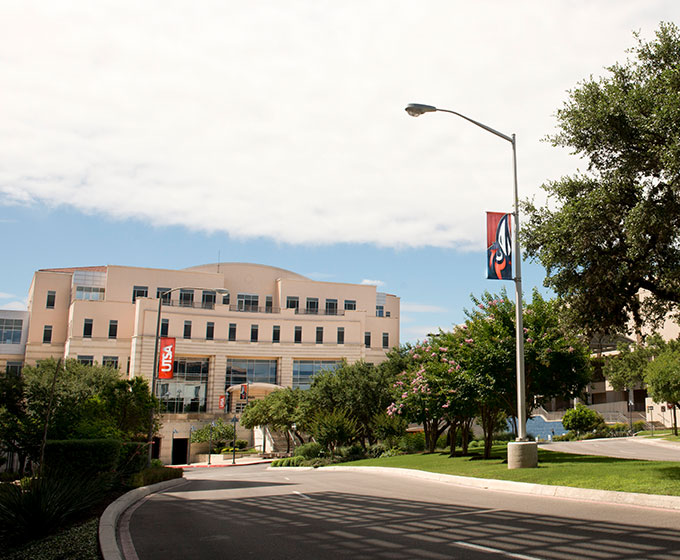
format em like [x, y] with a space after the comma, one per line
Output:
[332, 428]
[582, 419]
[627, 368]
[280, 410]
[360, 390]
[662, 376]
[88, 402]
[217, 434]
[614, 230]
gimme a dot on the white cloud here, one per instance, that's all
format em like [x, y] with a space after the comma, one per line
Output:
[285, 120]
[420, 308]
[369, 282]
[15, 306]
[5, 295]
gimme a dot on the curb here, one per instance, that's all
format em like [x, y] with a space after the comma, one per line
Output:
[219, 465]
[108, 522]
[607, 496]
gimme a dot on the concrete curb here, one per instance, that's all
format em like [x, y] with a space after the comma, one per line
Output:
[108, 522]
[219, 465]
[606, 496]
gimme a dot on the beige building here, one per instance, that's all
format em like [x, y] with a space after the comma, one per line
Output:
[234, 324]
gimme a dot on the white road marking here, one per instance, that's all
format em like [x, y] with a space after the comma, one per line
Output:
[497, 551]
[301, 494]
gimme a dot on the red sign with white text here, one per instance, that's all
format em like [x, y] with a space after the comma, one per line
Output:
[165, 364]
[222, 401]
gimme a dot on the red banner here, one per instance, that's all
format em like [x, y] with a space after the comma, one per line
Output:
[498, 246]
[244, 391]
[222, 402]
[165, 364]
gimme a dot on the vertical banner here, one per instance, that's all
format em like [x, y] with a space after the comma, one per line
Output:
[222, 401]
[244, 391]
[165, 364]
[498, 246]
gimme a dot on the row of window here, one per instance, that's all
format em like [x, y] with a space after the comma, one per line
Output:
[10, 331]
[88, 325]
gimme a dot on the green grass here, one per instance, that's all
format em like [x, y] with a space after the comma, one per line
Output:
[560, 469]
[79, 541]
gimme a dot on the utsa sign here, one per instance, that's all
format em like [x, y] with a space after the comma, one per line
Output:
[498, 246]
[165, 364]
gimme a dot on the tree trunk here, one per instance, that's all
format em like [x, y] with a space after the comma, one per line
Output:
[453, 432]
[465, 429]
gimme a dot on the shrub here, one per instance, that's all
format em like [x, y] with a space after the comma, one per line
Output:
[44, 503]
[156, 463]
[86, 456]
[638, 426]
[310, 450]
[353, 452]
[582, 419]
[391, 452]
[377, 450]
[294, 461]
[241, 444]
[412, 443]
[133, 458]
[153, 475]
[8, 476]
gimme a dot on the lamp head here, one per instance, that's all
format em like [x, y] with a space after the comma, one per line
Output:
[417, 109]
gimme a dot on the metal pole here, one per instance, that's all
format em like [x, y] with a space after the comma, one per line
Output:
[210, 442]
[153, 375]
[233, 446]
[519, 319]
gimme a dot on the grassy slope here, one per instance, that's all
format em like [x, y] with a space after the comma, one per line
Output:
[561, 469]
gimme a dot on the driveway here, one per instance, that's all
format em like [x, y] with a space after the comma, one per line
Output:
[624, 448]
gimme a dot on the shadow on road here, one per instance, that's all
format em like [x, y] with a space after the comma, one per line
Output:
[208, 485]
[333, 525]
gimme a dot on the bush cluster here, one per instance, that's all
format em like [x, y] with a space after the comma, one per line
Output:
[295, 461]
[152, 475]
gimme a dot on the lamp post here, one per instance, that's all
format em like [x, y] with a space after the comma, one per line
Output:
[521, 453]
[154, 371]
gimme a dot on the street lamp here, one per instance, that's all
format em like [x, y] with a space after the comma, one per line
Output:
[154, 372]
[521, 453]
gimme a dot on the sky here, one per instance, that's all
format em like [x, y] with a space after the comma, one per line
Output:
[171, 134]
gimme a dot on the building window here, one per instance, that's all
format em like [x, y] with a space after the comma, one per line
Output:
[186, 298]
[51, 297]
[232, 331]
[387, 313]
[87, 328]
[253, 333]
[226, 299]
[298, 335]
[165, 294]
[292, 302]
[88, 293]
[110, 361]
[341, 335]
[113, 329]
[86, 360]
[268, 304]
[276, 333]
[379, 311]
[208, 299]
[13, 369]
[210, 330]
[386, 340]
[319, 335]
[47, 334]
[188, 388]
[331, 307]
[350, 305]
[247, 302]
[187, 329]
[165, 326]
[139, 291]
[305, 370]
[241, 371]
[312, 306]
[10, 331]
[367, 339]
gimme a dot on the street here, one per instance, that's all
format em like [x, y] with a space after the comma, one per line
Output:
[255, 512]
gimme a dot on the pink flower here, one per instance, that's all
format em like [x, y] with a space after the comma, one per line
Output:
[530, 340]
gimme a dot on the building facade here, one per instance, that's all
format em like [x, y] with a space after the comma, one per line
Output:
[234, 324]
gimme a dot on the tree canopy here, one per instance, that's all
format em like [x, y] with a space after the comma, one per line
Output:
[614, 230]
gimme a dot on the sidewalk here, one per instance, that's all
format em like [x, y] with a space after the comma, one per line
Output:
[221, 461]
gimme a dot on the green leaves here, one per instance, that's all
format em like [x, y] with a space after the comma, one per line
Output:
[614, 231]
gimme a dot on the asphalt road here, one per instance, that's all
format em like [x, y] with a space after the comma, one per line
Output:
[625, 448]
[252, 512]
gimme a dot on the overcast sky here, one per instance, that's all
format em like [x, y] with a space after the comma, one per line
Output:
[275, 132]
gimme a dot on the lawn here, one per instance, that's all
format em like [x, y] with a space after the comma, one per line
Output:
[560, 469]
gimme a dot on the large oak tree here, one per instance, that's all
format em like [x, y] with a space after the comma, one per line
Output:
[612, 233]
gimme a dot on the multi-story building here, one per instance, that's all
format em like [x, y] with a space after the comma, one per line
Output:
[233, 323]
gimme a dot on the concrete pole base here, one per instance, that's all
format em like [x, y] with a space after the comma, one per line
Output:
[522, 455]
